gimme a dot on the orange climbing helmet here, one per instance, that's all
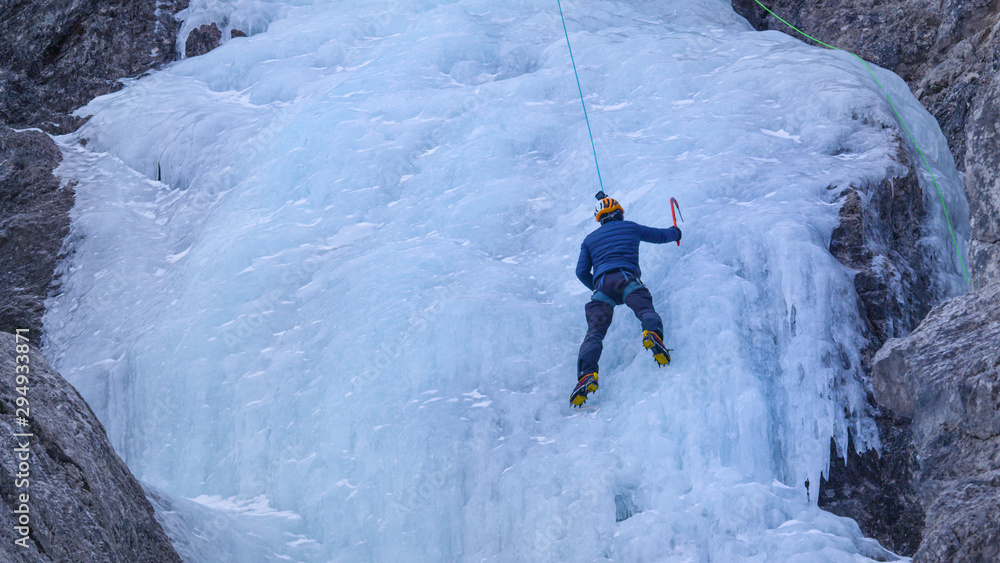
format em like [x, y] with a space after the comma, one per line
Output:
[605, 206]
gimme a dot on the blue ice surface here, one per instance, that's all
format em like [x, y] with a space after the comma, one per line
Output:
[321, 280]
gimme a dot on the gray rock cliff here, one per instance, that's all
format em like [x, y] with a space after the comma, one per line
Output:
[75, 496]
[982, 179]
[949, 54]
[945, 377]
[55, 56]
[34, 220]
[877, 238]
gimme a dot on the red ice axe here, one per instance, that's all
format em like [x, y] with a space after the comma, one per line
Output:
[675, 210]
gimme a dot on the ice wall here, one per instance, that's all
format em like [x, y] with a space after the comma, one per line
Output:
[349, 298]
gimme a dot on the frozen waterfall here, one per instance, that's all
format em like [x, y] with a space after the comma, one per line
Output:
[321, 281]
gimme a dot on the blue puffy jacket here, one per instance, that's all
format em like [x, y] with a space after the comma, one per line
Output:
[615, 246]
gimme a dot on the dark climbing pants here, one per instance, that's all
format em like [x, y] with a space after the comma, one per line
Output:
[619, 288]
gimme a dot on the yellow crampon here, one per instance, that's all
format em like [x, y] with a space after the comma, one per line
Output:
[586, 385]
[660, 352]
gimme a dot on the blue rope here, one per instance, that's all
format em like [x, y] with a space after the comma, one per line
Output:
[578, 87]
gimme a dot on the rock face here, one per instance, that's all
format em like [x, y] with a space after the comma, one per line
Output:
[949, 53]
[877, 237]
[982, 179]
[57, 55]
[202, 40]
[34, 219]
[82, 503]
[879, 492]
[946, 376]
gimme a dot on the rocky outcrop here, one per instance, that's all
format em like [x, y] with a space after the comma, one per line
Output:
[34, 219]
[67, 496]
[202, 40]
[57, 55]
[945, 377]
[982, 179]
[81, 503]
[940, 48]
[879, 491]
[949, 54]
[877, 238]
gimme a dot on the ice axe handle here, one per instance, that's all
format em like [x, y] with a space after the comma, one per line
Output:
[675, 210]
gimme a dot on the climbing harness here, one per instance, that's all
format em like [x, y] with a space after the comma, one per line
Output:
[634, 283]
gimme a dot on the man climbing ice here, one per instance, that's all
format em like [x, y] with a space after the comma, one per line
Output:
[609, 266]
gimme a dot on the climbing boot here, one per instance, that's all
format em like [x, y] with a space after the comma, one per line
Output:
[586, 385]
[653, 342]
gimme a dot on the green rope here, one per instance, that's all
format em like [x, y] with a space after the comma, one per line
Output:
[902, 124]
[578, 87]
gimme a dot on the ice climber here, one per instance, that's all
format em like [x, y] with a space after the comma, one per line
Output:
[609, 266]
